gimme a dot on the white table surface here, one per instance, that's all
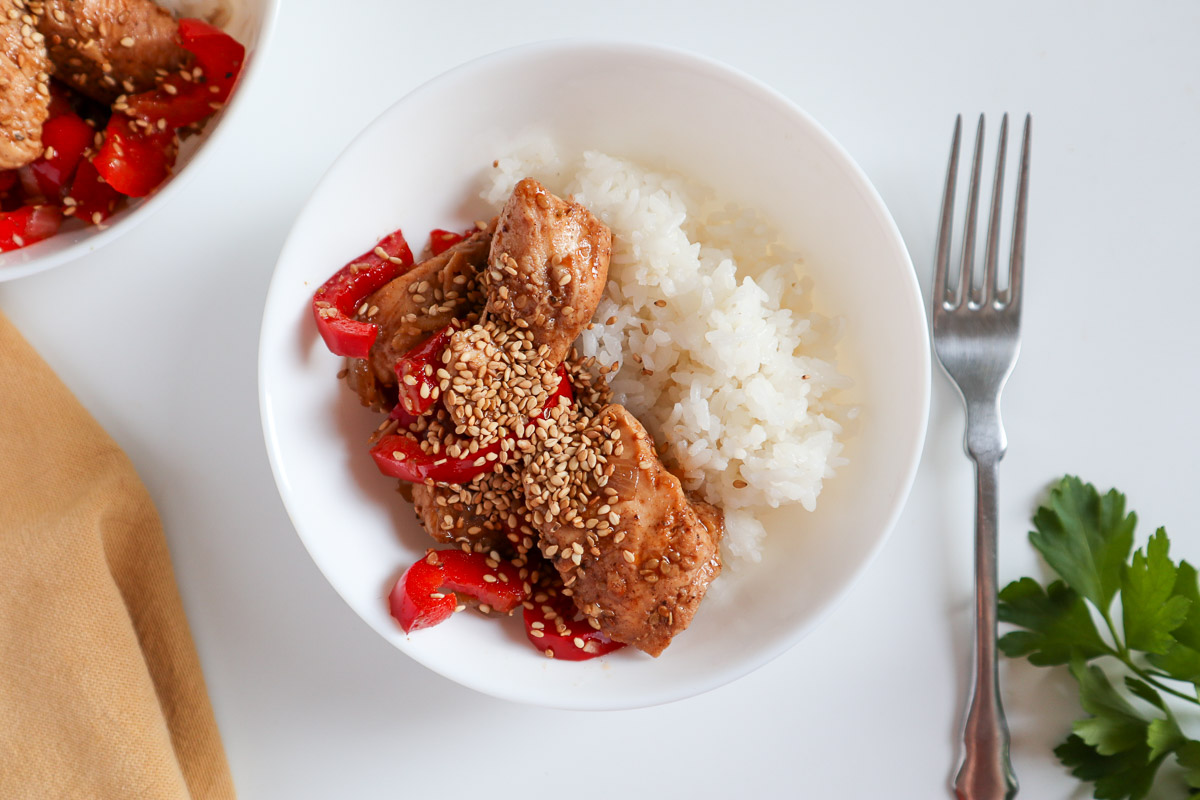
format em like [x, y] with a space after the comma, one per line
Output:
[158, 333]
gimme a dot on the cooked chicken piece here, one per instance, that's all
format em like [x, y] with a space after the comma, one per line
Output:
[408, 309]
[635, 550]
[106, 48]
[547, 267]
[488, 513]
[24, 87]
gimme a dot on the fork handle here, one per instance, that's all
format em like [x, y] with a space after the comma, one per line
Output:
[986, 772]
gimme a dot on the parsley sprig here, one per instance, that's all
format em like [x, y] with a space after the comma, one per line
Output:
[1154, 639]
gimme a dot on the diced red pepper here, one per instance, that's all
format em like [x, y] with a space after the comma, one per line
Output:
[578, 640]
[217, 53]
[400, 413]
[65, 137]
[335, 302]
[499, 587]
[440, 240]
[184, 103]
[411, 602]
[416, 372]
[418, 600]
[135, 160]
[400, 456]
[27, 225]
[92, 199]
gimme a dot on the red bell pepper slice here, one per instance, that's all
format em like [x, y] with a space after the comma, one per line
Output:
[217, 53]
[411, 601]
[417, 600]
[552, 628]
[27, 225]
[336, 301]
[65, 137]
[400, 413]
[91, 199]
[441, 240]
[499, 587]
[183, 103]
[135, 160]
[400, 456]
[416, 372]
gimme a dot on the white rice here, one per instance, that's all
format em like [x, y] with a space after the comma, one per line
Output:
[743, 379]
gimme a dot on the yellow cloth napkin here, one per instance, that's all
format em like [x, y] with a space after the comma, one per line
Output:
[101, 694]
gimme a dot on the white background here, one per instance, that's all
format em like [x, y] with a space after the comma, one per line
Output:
[157, 334]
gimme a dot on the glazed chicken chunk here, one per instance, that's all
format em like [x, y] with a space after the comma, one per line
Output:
[107, 48]
[488, 514]
[24, 87]
[548, 267]
[636, 552]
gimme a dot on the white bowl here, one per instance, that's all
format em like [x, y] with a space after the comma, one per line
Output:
[661, 107]
[251, 23]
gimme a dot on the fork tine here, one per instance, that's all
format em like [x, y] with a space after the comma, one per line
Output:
[946, 223]
[962, 292]
[1017, 259]
[987, 292]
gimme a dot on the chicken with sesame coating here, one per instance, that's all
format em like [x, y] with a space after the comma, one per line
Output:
[24, 86]
[107, 48]
[486, 514]
[548, 267]
[635, 550]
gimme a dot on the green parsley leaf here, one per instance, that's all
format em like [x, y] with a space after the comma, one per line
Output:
[1115, 726]
[1151, 609]
[1163, 736]
[1058, 625]
[1189, 758]
[1179, 661]
[1187, 585]
[1085, 538]
[1128, 775]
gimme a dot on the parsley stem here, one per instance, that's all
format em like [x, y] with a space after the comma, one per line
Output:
[1153, 681]
[1123, 655]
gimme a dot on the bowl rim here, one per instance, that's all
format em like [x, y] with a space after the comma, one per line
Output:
[130, 218]
[895, 241]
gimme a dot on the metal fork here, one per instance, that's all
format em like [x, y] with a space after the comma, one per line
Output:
[976, 335]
